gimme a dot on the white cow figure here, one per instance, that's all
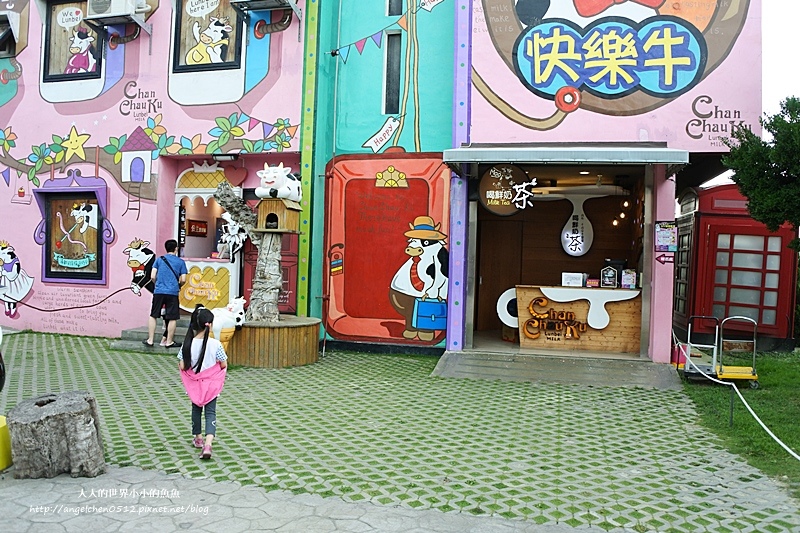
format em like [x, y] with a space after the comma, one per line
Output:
[230, 316]
[583, 12]
[277, 182]
[85, 215]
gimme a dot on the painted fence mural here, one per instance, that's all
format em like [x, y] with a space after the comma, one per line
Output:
[681, 71]
[95, 127]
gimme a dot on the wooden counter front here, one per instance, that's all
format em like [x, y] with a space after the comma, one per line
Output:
[579, 318]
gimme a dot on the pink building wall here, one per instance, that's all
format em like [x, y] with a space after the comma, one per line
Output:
[140, 99]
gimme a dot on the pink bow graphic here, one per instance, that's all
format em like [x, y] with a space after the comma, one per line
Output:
[590, 8]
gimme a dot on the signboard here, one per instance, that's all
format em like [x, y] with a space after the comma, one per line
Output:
[666, 239]
[197, 228]
[683, 72]
[506, 189]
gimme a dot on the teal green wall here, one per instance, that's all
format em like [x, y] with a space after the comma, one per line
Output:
[349, 95]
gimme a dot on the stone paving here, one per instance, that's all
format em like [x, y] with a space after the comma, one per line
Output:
[378, 432]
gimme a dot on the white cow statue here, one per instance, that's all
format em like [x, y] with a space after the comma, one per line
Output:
[229, 316]
[277, 182]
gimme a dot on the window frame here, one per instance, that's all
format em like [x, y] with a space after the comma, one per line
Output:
[8, 44]
[391, 102]
[177, 54]
[56, 275]
[99, 44]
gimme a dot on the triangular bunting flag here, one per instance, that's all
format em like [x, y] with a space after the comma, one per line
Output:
[6, 176]
[377, 38]
[252, 124]
[243, 117]
[291, 130]
[403, 23]
[344, 52]
[360, 44]
[268, 129]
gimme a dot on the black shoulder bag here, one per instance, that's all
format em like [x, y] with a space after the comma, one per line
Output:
[177, 277]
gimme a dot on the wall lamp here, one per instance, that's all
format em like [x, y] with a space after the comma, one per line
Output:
[225, 157]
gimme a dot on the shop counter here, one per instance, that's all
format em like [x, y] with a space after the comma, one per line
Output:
[211, 282]
[579, 318]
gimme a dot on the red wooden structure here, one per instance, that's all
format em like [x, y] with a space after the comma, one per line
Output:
[729, 264]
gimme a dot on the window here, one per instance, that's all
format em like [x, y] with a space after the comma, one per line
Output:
[72, 50]
[394, 8]
[73, 245]
[8, 45]
[391, 103]
[744, 275]
[207, 40]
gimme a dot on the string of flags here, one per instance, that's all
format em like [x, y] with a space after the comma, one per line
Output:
[377, 37]
[267, 128]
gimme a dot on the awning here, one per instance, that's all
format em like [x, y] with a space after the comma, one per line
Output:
[568, 154]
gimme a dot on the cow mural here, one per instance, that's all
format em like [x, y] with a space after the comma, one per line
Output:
[277, 182]
[15, 283]
[212, 42]
[532, 12]
[84, 54]
[418, 290]
[140, 261]
[85, 215]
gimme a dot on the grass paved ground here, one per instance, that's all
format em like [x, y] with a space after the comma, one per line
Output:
[378, 427]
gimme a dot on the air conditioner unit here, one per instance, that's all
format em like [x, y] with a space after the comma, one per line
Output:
[110, 11]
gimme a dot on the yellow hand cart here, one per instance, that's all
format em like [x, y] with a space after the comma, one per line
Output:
[730, 342]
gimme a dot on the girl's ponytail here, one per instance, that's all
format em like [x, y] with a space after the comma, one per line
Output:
[186, 349]
[204, 319]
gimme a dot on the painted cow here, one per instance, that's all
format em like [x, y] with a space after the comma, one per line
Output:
[424, 274]
[583, 12]
[230, 316]
[212, 42]
[277, 182]
[85, 215]
[140, 261]
[15, 283]
[233, 234]
[84, 58]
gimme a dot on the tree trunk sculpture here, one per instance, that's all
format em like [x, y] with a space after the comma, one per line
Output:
[268, 279]
[54, 434]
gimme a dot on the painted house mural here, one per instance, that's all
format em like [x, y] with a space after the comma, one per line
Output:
[117, 122]
[384, 115]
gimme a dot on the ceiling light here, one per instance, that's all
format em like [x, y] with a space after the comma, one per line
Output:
[615, 222]
[225, 157]
[583, 172]
[622, 215]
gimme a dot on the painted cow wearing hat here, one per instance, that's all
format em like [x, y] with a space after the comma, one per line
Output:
[422, 277]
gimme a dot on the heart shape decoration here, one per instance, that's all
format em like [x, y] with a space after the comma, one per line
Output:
[235, 176]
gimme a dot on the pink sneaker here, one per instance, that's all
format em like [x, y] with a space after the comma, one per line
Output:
[198, 442]
[206, 453]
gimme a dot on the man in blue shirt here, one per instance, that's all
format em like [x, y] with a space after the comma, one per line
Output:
[168, 273]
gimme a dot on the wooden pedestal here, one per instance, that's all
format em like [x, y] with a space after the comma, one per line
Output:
[294, 341]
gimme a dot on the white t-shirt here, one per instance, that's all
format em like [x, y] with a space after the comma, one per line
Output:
[214, 353]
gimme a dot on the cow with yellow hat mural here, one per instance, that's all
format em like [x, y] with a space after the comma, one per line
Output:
[418, 290]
